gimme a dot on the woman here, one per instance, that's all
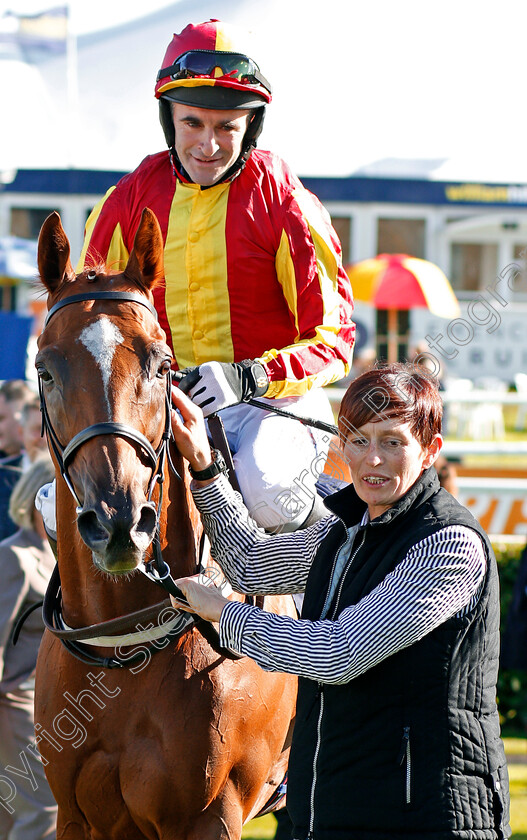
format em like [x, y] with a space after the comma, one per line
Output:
[397, 731]
[28, 810]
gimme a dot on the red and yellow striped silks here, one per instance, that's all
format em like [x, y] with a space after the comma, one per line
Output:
[253, 269]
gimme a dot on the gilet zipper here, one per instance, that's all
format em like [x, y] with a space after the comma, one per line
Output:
[315, 760]
[311, 835]
[405, 753]
[343, 576]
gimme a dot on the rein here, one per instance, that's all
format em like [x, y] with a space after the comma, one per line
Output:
[306, 421]
[156, 569]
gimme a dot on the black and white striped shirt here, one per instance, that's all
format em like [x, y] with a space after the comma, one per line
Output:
[441, 576]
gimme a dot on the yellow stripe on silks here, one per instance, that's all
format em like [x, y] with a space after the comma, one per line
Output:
[295, 388]
[88, 229]
[196, 296]
[327, 266]
[327, 331]
[285, 272]
[117, 256]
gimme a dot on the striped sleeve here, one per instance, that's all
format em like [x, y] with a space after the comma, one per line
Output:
[441, 576]
[253, 561]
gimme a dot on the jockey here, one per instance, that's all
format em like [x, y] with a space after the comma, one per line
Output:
[255, 302]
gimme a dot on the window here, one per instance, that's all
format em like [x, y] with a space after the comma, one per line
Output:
[473, 266]
[393, 333]
[27, 221]
[342, 225]
[401, 236]
[520, 279]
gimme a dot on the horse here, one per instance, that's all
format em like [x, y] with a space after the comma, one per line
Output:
[146, 729]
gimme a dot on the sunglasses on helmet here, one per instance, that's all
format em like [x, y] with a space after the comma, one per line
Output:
[234, 66]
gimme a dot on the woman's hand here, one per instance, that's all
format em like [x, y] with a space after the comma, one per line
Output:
[206, 601]
[190, 434]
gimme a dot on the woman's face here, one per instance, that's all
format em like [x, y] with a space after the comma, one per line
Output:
[385, 460]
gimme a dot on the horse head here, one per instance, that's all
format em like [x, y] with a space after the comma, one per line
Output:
[104, 377]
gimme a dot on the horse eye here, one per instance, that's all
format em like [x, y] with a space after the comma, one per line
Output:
[44, 375]
[164, 368]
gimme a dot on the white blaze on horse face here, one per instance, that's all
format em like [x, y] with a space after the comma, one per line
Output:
[100, 339]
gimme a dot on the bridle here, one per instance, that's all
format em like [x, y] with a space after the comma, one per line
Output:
[65, 454]
[156, 569]
[156, 457]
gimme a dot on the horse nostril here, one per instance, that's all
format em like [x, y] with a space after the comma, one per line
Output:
[91, 529]
[116, 537]
[143, 532]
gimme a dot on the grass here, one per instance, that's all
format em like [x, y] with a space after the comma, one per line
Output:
[518, 786]
[264, 828]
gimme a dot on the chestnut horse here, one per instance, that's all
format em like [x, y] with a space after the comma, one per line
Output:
[182, 742]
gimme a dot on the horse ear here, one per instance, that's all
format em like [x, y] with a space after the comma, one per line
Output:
[54, 264]
[145, 265]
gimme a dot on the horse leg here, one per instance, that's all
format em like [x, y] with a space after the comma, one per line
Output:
[71, 830]
[222, 820]
[215, 827]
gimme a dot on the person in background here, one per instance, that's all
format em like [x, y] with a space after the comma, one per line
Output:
[362, 362]
[26, 563]
[14, 394]
[33, 441]
[397, 730]
[256, 302]
[447, 472]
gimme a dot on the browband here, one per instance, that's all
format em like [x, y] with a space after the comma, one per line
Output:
[126, 296]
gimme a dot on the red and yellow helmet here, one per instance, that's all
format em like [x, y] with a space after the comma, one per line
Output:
[206, 65]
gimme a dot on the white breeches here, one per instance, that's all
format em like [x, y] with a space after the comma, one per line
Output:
[278, 460]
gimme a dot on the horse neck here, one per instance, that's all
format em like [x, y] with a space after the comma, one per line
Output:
[181, 529]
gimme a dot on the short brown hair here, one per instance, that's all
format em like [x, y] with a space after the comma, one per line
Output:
[394, 391]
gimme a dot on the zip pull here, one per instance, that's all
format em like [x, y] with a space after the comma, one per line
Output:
[404, 745]
[314, 701]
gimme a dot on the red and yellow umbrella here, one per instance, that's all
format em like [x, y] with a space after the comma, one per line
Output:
[398, 281]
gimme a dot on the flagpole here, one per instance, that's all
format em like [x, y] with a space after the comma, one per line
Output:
[72, 77]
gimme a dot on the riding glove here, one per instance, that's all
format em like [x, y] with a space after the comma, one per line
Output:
[217, 385]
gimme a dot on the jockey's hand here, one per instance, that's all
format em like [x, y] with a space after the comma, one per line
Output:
[188, 428]
[206, 601]
[217, 385]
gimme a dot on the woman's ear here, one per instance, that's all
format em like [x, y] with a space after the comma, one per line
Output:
[432, 451]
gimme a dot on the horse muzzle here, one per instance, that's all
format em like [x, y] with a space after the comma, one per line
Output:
[118, 539]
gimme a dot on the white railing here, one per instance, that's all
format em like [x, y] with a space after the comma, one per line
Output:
[474, 416]
[477, 395]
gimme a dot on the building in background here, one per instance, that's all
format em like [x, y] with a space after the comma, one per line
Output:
[475, 232]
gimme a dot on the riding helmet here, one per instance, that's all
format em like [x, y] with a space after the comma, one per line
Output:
[206, 66]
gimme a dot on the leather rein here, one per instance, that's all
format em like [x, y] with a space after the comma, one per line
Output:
[156, 569]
